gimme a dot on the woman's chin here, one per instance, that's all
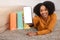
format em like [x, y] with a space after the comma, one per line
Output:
[44, 16]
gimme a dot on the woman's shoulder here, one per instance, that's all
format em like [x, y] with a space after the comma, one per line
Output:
[53, 15]
[36, 17]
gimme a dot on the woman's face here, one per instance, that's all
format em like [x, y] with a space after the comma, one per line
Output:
[43, 11]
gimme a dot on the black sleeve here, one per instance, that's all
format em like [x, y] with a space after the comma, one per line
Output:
[31, 24]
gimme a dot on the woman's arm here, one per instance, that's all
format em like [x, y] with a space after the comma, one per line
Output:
[50, 26]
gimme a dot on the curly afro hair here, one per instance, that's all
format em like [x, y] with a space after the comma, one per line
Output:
[48, 4]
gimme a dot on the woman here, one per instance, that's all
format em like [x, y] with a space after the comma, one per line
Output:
[45, 20]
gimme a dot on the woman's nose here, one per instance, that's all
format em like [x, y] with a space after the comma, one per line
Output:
[43, 12]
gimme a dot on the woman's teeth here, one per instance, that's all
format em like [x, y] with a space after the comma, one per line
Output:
[44, 15]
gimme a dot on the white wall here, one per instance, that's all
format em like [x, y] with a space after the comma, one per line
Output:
[31, 3]
[19, 2]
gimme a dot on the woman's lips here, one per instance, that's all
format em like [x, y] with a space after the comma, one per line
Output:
[44, 15]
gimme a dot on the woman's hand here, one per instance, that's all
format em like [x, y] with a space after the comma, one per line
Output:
[31, 33]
